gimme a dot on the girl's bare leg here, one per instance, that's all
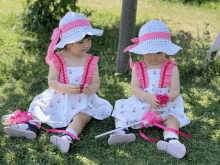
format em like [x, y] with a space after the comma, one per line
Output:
[79, 121]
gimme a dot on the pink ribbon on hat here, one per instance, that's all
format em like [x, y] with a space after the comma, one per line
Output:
[153, 119]
[148, 36]
[59, 31]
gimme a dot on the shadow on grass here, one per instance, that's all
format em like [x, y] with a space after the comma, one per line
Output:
[88, 150]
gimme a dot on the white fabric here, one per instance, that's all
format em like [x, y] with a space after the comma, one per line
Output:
[54, 106]
[75, 34]
[120, 124]
[155, 45]
[132, 109]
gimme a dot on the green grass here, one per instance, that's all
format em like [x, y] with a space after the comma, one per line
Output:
[22, 63]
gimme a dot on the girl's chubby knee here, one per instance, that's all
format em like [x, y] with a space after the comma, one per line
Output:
[84, 117]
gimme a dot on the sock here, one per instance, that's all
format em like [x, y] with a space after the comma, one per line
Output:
[121, 124]
[23, 126]
[171, 135]
[68, 136]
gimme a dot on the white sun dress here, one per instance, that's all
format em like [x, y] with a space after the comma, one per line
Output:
[52, 105]
[154, 81]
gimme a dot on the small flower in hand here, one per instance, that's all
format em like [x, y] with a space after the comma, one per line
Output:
[162, 98]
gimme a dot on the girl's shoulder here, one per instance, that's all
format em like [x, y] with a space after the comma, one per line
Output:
[58, 60]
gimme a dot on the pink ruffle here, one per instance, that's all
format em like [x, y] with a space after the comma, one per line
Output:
[141, 72]
[89, 68]
[61, 67]
[166, 73]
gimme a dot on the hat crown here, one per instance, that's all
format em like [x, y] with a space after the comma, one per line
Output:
[153, 26]
[70, 17]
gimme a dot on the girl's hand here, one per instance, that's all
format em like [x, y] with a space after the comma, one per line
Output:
[86, 89]
[154, 102]
[72, 88]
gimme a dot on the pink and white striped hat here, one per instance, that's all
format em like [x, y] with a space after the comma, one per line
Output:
[154, 36]
[72, 28]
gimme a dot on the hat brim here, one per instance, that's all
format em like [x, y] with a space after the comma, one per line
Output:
[152, 46]
[88, 31]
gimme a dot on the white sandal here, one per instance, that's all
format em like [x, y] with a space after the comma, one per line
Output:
[177, 150]
[118, 137]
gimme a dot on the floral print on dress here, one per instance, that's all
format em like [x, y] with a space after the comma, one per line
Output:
[79, 98]
[127, 120]
[70, 71]
[134, 109]
[72, 106]
[122, 105]
[174, 105]
[77, 79]
[51, 105]
[154, 71]
[122, 112]
[58, 100]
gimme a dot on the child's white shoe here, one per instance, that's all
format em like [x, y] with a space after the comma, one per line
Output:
[29, 131]
[123, 136]
[63, 141]
[176, 149]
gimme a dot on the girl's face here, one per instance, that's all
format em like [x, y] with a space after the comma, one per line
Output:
[155, 58]
[81, 47]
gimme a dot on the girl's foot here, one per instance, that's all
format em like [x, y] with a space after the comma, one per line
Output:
[175, 148]
[30, 131]
[123, 136]
[64, 141]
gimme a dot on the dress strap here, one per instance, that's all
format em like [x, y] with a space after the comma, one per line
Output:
[141, 72]
[61, 67]
[89, 68]
[166, 73]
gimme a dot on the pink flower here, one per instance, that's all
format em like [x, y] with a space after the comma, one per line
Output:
[134, 109]
[79, 98]
[77, 79]
[98, 105]
[123, 112]
[145, 107]
[163, 99]
[72, 105]
[122, 105]
[136, 120]
[70, 71]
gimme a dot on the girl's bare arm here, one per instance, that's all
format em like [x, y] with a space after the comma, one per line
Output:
[53, 78]
[174, 88]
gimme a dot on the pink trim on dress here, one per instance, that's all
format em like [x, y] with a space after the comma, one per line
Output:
[89, 68]
[166, 73]
[141, 72]
[61, 67]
